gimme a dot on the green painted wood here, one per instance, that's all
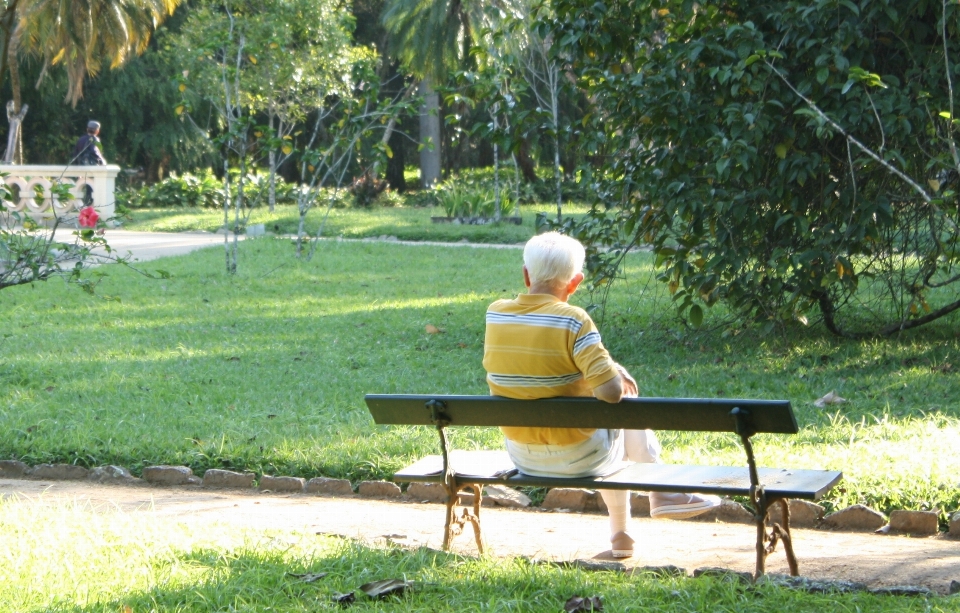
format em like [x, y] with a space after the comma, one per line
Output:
[720, 480]
[687, 414]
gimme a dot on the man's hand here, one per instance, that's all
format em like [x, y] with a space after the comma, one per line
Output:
[630, 387]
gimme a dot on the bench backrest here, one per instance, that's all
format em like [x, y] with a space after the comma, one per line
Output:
[689, 414]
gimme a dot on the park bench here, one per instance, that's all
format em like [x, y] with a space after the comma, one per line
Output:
[471, 470]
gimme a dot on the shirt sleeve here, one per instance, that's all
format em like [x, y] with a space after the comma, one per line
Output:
[591, 357]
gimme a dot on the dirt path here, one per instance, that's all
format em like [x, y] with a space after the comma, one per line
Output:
[878, 561]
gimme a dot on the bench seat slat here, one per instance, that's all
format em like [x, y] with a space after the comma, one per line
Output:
[484, 466]
[684, 414]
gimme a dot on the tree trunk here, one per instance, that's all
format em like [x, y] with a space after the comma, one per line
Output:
[272, 198]
[8, 23]
[429, 135]
[15, 108]
[527, 167]
[396, 164]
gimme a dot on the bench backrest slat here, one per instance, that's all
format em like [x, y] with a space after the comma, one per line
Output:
[686, 414]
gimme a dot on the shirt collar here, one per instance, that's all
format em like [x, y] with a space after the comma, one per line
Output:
[533, 299]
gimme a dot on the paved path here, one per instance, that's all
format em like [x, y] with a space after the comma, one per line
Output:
[878, 561]
[143, 246]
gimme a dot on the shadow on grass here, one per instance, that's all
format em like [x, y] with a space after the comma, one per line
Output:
[210, 580]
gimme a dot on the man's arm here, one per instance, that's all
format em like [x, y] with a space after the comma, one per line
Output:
[611, 391]
[620, 387]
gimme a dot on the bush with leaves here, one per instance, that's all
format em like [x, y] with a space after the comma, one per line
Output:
[786, 158]
[201, 190]
[470, 197]
[29, 253]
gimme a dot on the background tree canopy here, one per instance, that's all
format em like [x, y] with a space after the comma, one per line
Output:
[756, 145]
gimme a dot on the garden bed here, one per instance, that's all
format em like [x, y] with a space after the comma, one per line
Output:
[476, 221]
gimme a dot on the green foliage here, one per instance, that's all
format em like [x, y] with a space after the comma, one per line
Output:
[432, 39]
[86, 36]
[470, 198]
[135, 104]
[201, 190]
[31, 253]
[781, 157]
[190, 190]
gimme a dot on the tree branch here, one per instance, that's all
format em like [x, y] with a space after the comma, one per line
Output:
[853, 140]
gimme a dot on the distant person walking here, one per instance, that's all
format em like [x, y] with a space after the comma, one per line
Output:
[87, 153]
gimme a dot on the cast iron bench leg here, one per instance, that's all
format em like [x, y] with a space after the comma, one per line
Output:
[767, 542]
[454, 525]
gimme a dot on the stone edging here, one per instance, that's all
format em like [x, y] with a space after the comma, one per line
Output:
[811, 586]
[803, 514]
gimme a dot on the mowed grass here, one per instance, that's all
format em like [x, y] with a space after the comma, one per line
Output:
[266, 370]
[71, 560]
[404, 223]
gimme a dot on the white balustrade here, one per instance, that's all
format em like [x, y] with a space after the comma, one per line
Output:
[30, 187]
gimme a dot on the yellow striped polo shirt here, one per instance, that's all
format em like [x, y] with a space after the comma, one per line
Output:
[538, 346]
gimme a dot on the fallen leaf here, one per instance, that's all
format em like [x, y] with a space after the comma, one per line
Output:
[462, 345]
[384, 587]
[432, 329]
[830, 398]
[50, 388]
[576, 604]
[308, 577]
[344, 599]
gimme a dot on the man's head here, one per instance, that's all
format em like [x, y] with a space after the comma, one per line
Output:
[93, 127]
[553, 260]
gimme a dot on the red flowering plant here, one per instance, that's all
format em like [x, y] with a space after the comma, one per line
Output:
[31, 253]
[88, 217]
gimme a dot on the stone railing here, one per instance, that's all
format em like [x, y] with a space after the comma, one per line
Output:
[30, 185]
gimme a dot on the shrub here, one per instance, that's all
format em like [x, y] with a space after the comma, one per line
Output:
[468, 197]
[203, 190]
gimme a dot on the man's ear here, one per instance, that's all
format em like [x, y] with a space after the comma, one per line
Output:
[574, 283]
[526, 277]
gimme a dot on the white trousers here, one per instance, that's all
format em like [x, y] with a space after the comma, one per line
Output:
[603, 453]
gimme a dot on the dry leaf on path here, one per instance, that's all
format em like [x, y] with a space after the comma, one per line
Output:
[576, 604]
[830, 398]
[432, 329]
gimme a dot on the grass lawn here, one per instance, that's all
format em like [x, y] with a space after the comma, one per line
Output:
[70, 560]
[405, 223]
[266, 370]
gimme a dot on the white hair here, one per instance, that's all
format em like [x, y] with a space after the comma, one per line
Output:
[552, 258]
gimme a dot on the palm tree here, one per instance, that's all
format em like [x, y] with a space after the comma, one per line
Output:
[431, 38]
[80, 35]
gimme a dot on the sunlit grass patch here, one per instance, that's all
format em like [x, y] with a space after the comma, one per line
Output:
[405, 223]
[266, 370]
[69, 559]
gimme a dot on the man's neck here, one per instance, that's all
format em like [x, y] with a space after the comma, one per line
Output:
[558, 292]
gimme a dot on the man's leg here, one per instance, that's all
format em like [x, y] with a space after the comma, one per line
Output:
[643, 446]
[638, 446]
[618, 507]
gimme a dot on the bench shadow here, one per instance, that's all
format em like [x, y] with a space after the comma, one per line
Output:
[251, 579]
